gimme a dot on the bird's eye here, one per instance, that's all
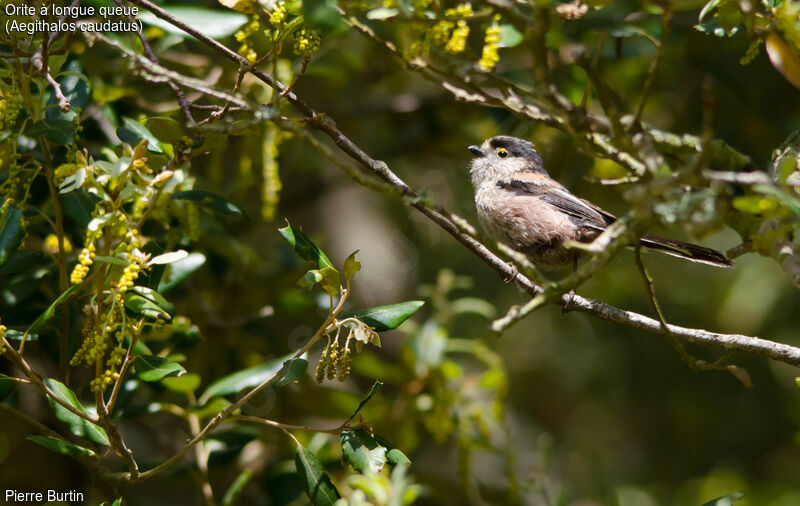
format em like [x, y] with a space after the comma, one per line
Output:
[502, 153]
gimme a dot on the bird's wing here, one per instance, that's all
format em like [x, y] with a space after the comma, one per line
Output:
[583, 213]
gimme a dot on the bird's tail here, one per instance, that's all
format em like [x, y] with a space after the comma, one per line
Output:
[686, 250]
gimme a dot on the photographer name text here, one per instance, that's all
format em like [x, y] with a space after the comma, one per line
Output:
[49, 495]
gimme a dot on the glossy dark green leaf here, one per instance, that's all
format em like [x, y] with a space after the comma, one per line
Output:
[61, 446]
[291, 371]
[110, 260]
[45, 317]
[246, 378]
[22, 261]
[11, 234]
[386, 317]
[77, 205]
[725, 500]
[60, 131]
[131, 131]
[216, 24]
[362, 451]
[305, 247]
[315, 482]
[76, 88]
[178, 271]
[165, 129]
[155, 368]
[211, 200]
[77, 425]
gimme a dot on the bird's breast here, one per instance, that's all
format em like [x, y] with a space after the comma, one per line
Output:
[525, 222]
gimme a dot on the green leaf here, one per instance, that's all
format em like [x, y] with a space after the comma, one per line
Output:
[211, 200]
[16, 335]
[168, 258]
[304, 247]
[61, 446]
[246, 378]
[77, 205]
[331, 281]
[321, 15]
[22, 261]
[382, 13]
[315, 482]
[11, 234]
[362, 451]
[59, 131]
[292, 370]
[389, 317]
[184, 383]
[372, 391]
[216, 24]
[110, 260]
[148, 302]
[165, 129]
[180, 270]
[509, 36]
[211, 408]
[76, 88]
[45, 317]
[77, 425]
[725, 500]
[155, 368]
[310, 279]
[131, 131]
[233, 492]
[708, 8]
[395, 456]
[351, 266]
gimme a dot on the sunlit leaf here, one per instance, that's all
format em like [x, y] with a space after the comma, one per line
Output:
[180, 270]
[386, 317]
[131, 131]
[725, 500]
[77, 425]
[212, 23]
[305, 247]
[246, 378]
[351, 266]
[168, 258]
[155, 368]
[362, 451]
[61, 446]
[165, 129]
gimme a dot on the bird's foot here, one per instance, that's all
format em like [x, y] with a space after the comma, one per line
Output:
[514, 271]
[565, 307]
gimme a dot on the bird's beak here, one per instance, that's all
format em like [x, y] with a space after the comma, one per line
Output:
[475, 150]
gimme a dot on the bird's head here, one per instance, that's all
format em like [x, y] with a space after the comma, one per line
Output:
[501, 157]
